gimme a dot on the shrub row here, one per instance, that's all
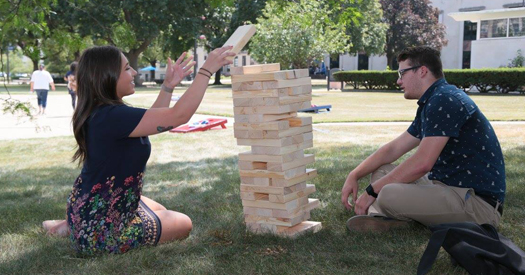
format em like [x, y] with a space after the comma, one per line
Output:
[502, 80]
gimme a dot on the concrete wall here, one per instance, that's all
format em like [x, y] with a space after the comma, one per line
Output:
[495, 52]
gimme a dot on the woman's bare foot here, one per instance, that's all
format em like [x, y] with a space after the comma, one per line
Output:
[56, 228]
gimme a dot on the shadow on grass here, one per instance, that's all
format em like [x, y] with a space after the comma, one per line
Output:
[208, 192]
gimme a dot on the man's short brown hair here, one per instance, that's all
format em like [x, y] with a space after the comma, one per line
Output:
[423, 56]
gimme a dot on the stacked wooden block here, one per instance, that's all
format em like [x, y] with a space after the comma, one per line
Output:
[273, 174]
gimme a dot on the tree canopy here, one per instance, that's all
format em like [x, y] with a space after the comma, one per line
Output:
[411, 23]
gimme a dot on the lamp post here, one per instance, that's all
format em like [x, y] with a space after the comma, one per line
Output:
[9, 48]
[195, 55]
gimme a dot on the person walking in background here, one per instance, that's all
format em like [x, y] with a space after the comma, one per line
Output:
[71, 83]
[40, 82]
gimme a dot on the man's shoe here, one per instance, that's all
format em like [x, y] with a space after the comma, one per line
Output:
[365, 223]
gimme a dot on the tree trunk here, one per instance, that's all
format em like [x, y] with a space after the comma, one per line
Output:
[218, 77]
[133, 59]
[152, 73]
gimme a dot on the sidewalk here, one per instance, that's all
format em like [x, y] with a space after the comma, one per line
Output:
[56, 122]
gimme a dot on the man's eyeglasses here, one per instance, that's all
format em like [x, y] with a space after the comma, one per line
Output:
[403, 71]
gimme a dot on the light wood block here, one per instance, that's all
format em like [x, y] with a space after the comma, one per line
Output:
[300, 138]
[271, 134]
[300, 229]
[280, 206]
[248, 156]
[279, 166]
[300, 121]
[256, 181]
[255, 69]
[283, 198]
[310, 174]
[270, 101]
[276, 109]
[259, 118]
[280, 213]
[270, 85]
[269, 76]
[252, 165]
[250, 196]
[289, 174]
[289, 222]
[271, 125]
[273, 190]
[267, 150]
[281, 92]
[239, 38]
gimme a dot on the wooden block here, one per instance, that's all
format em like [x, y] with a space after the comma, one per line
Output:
[273, 190]
[252, 165]
[259, 118]
[276, 109]
[270, 85]
[278, 198]
[299, 229]
[263, 189]
[255, 69]
[272, 125]
[272, 134]
[255, 94]
[310, 174]
[254, 196]
[281, 206]
[296, 90]
[300, 121]
[300, 138]
[267, 150]
[288, 174]
[289, 222]
[239, 38]
[278, 213]
[248, 156]
[269, 76]
[256, 181]
[279, 166]
[270, 101]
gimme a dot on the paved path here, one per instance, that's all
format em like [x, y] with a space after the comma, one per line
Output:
[57, 121]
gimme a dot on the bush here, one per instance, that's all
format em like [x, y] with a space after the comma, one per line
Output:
[502, 80]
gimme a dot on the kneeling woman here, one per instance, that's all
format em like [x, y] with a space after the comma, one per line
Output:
[106, 211]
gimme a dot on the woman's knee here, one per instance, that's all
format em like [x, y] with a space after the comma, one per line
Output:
[175, 225]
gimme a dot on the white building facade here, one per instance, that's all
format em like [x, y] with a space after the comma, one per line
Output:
[480, 34]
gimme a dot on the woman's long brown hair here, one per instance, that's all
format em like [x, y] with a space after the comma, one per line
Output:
[97, 75]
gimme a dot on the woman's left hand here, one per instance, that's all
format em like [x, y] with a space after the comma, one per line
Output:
[176, 72]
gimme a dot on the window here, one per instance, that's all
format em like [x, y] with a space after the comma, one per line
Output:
[236, 62]
[517, 27]
[244, 60]
[493, 28]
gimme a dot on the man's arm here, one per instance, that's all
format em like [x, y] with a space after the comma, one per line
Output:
[410, 170]
[388, 153]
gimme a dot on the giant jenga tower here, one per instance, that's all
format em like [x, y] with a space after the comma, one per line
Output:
[274, 189]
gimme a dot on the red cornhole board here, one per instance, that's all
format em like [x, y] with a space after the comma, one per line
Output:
[202, 125]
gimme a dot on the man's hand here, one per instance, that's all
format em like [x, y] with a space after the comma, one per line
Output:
[363, 203]
[350, 187]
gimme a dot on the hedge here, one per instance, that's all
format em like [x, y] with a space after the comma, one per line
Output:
[502, 80]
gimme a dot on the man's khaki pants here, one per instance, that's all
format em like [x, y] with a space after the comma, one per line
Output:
[430, 202]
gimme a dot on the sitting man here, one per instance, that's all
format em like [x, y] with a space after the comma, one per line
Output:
[457, 173]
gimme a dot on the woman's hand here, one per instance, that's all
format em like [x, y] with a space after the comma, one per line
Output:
[175, 73]
[218, 58]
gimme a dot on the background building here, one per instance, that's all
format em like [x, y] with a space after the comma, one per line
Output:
[480, 34]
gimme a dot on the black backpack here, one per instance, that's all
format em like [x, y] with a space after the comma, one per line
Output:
[480, 249]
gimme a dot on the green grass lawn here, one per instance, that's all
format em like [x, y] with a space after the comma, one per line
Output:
[197, 174]
[353, 105]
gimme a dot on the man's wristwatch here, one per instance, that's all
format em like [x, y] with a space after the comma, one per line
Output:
[370, 190]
